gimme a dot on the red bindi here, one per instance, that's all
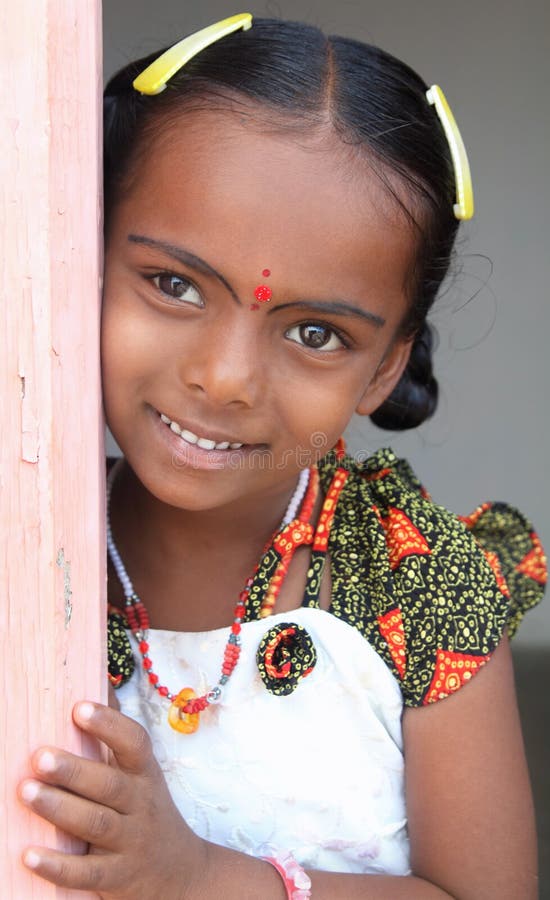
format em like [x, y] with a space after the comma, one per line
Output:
[263, 293]
[266, 273]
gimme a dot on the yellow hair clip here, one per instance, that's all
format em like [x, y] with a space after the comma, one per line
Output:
[464, 206]
[153, 79]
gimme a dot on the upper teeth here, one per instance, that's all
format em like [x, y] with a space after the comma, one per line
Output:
[204, 443]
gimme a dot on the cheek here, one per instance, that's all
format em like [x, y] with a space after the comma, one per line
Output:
[321, 407]
[124, 355]
[113, 345]
[111, 365]
[127, 341]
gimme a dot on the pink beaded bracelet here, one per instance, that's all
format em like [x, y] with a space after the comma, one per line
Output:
[296, 882]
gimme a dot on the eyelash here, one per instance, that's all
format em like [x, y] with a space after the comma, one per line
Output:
[334, 332]
[186, 282]
[344, 340]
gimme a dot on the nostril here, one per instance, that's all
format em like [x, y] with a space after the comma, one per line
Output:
[225, 367]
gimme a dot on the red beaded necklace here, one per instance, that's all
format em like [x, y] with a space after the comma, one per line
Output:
[186, 706]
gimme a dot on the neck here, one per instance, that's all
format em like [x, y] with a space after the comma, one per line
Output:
[145, 528]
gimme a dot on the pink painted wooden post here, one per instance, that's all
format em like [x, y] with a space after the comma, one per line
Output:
[52, 455]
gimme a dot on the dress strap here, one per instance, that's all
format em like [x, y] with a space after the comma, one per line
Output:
[277, 555]
[276, 560]
[321, 539]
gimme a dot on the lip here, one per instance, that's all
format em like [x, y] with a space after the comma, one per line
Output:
[185, 454]
[212, 435]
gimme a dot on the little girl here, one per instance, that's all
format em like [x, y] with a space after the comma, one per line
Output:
[287, 625]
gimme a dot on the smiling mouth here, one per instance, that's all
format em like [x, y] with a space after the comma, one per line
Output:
[205, 443]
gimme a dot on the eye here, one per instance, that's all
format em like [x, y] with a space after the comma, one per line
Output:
[316, 336]
[177, 288]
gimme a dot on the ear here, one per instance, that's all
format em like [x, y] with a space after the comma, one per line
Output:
[386, 377]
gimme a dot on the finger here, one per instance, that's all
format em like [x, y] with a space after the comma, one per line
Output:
[95, 873]
[88, 778]
[91, 822]
[128, 741]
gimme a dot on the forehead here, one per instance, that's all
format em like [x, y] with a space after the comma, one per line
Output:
[227, 185]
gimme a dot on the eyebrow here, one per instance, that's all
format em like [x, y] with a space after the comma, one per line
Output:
[339, 307]
[185, 257]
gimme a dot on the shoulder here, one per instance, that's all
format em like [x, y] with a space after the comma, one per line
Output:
[432, 591]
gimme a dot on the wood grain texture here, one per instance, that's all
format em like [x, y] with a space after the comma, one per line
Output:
[52, 610]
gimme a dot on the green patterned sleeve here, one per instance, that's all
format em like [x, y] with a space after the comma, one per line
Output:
[455, 606]
[451, 584]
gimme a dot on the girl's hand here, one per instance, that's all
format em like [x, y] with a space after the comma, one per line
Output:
[139, 845]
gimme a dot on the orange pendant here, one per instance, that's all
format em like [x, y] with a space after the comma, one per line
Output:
[186, 723]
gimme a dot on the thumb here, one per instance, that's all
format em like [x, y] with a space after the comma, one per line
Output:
[127, 739]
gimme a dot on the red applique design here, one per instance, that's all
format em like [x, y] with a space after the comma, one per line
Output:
[402, 538]
[293, 536]
[375, 476]
[391, 629]
[473, 518]
[452, 670]
[494, 562]
[376, 512]
[533, 563]
[340, 449]
[327, 515]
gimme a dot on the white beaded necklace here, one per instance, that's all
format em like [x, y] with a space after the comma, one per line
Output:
[120, 569]
[185, 707]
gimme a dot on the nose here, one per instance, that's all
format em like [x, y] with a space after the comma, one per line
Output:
[224, 365]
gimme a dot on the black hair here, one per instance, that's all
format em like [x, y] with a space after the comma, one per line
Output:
[300, 78]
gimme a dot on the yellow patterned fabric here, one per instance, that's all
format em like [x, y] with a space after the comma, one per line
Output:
[121, 663]
[431, 591]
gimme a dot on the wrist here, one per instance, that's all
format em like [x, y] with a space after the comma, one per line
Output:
[193, 881]
[296, 882]
[234, 875]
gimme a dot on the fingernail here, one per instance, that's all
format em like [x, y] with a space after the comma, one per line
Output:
[85, 711]
[46, 762]
[30, 791]
[31, 859]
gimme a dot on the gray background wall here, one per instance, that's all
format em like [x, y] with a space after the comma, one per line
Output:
[490, 438]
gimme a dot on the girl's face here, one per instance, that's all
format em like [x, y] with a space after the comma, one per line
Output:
[215, 210]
